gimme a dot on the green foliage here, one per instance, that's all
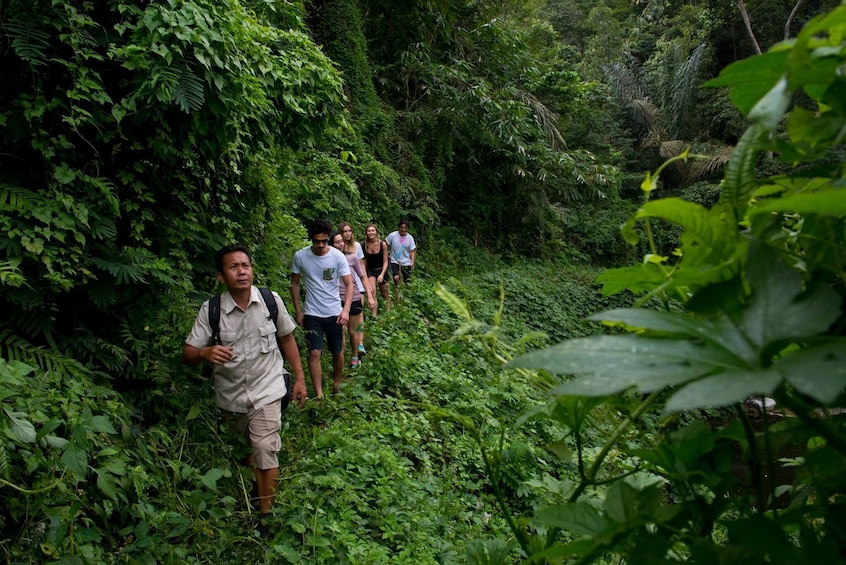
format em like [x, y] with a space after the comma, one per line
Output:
[764, 317]
[137, 139]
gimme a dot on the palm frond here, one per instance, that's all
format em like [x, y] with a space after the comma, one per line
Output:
[546, 119]
[16, 198]
[683, 89]
[4, 461]
[10, 274]
[670, 149]
[123, 272]
[647, 121]
[703, 168]
[624, 82]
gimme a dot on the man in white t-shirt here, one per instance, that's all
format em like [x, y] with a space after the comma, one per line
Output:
[322, 266]
[402, 253]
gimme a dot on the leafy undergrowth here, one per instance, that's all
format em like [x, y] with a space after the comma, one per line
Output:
[387, 471]
[390, 469]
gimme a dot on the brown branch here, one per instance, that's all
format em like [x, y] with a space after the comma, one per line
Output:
[745, 15]
[790, 19]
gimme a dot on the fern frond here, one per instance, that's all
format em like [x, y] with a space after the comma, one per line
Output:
[4, 462]
[10, 274]
[28, 43]
[17, 199]
[103, 228]
[124, 273]
[15, 348]
[189, 92]
[31, 320]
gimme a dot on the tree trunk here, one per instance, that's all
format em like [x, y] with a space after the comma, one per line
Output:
[745, 15]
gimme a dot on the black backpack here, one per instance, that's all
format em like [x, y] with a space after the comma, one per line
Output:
[270, 302]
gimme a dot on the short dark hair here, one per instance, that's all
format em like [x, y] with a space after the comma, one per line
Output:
[224, 251]
[403, 221]
[320, 225]
[332, 235]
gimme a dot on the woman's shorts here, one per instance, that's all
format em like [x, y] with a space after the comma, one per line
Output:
[356, 308]
[375, 274]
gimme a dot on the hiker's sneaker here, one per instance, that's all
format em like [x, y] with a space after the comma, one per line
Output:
[355, 363]
[361, 350]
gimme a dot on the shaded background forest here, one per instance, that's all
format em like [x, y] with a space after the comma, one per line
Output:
[138, 137]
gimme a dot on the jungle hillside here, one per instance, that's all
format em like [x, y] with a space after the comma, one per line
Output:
[624, 342]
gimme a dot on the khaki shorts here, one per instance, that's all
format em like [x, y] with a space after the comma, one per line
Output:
[260, 428]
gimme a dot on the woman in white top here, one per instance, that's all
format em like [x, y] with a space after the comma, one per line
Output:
[352, 247]
[356, 307]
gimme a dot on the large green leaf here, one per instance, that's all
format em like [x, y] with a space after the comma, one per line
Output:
[722, 333]
[777, 311]
[106, 483]
[20, 427]
[722, 389]
[769, 109]
[635, 278]
[739, 182]
[75, 459]
[751, 78]
[577, 517]
[818, 371]
[830, 202]
[705, 229]
[611, 364]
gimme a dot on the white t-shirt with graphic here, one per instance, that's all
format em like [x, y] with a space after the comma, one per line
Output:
[321, 275]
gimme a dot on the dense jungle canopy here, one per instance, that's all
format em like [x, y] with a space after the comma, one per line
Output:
[137, 137]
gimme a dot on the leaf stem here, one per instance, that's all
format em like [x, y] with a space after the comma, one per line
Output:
[589, 479]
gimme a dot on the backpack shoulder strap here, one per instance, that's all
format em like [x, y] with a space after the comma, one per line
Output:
[214, 312]
[214, 319]
[271, 305]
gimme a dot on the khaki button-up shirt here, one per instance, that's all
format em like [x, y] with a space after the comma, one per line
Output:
[253, 377]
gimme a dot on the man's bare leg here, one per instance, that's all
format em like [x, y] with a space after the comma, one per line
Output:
[266, 480]
[337, 370]
[316, 372]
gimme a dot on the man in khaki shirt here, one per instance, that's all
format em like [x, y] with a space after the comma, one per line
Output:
[248, 364]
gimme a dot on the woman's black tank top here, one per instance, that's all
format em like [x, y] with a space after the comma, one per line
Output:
[374, 261]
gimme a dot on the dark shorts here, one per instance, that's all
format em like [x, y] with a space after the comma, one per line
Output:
[375, 274]
[315, 328]
[356, 307]
[396, 269]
